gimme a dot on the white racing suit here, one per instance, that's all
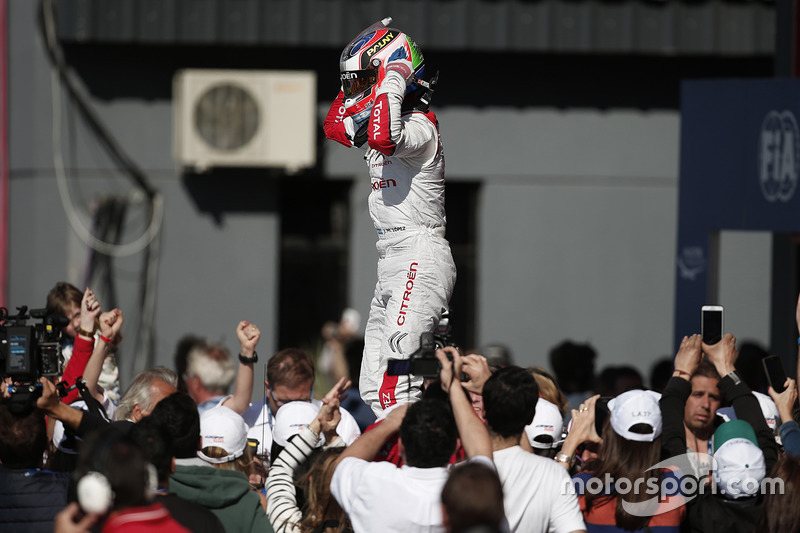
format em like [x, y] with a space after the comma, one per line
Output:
[416, 272]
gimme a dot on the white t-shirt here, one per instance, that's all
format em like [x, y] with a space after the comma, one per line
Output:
[538, 493]
[378, 496]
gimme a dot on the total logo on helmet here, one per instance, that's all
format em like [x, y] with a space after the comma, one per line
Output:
[363, 65]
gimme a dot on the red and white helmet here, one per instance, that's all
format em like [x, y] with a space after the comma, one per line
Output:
[363, 65]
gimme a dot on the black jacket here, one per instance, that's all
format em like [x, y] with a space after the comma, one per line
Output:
[709, 512]
[30, 499]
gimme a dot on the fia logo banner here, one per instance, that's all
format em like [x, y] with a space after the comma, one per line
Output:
[779, 156]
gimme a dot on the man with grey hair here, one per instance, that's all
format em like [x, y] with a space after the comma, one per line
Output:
[145, 391]
[210, 372]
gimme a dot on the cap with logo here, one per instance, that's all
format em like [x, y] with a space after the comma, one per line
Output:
[545, 431]
[739, 462]
[224, 428]
[636, 415]
[291, 418]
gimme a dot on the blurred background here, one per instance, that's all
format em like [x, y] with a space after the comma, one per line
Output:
[169, 153]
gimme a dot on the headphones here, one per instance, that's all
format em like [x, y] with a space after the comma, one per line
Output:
[94, 490]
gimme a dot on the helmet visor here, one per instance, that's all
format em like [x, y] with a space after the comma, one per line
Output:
[355, 82]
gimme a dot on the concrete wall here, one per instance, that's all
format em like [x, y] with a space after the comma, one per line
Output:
[577, 218]
[577, 227]
[214, 268]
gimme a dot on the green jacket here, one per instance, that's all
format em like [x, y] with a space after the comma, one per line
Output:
[226, 493]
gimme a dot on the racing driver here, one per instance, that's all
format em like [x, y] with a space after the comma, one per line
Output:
[385, 93]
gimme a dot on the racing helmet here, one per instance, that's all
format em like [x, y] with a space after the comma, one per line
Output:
[363, 66]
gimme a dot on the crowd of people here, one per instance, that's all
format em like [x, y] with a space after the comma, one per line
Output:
[489, 446]
[480, 445]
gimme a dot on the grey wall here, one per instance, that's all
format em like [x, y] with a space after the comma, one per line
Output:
[577, 218]
[214, 269]
[577, 223]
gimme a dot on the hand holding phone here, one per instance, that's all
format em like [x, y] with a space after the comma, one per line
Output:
[776, 375]
[711, 323]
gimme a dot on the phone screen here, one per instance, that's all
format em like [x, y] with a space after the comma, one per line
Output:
[776, 376]
[712, 324]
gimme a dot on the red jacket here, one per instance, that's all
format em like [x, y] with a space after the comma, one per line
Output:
[81, 352]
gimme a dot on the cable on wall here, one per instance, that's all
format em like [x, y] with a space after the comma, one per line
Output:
[149, 241]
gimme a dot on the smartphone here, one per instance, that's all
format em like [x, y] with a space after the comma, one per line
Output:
[711, 323]
[776, 375]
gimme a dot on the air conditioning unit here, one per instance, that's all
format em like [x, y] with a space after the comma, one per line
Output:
[245, 118]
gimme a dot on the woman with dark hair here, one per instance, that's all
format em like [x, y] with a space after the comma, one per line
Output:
[620, 491]
[321, 512]
[781, 509]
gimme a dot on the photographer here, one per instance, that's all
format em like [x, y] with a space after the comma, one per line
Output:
[31, 351]
[378, 496]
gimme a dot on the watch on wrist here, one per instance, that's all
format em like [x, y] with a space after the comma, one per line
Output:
[85, 333]
[248, 360]
[564, 458]
[734, 375]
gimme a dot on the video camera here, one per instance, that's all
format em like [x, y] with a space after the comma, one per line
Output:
[423, 363]
[28, 352]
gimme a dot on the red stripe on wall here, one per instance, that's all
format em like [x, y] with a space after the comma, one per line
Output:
[4, 186]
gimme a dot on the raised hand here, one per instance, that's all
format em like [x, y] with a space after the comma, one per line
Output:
[476, 368]
[111, 323]
[90, 310]
[248, 335]
[449, 370]
[689, 356]
[337, 391]
[582, 430]
[328, 419]
[785, 400]
[723, 354]
[403, 66]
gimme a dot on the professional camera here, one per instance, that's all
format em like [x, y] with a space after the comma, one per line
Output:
[423, 362]
[28, 352]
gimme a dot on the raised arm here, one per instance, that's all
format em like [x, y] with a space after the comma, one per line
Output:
[369, 443]
[789, 430]
[339, 127]
[248, 335]
[110, 324]
[53, 407]
[473, 433]
[736, 392]
[583, 430]
[84, 344]
[282, 509]
[476, 368]
[673, 400]
[785, 400]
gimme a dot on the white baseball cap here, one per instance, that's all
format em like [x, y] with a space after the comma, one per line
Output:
[739, 462]
[636, 407]
[290, 419]
[770, 411]
[224, 428]
[546, 428]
